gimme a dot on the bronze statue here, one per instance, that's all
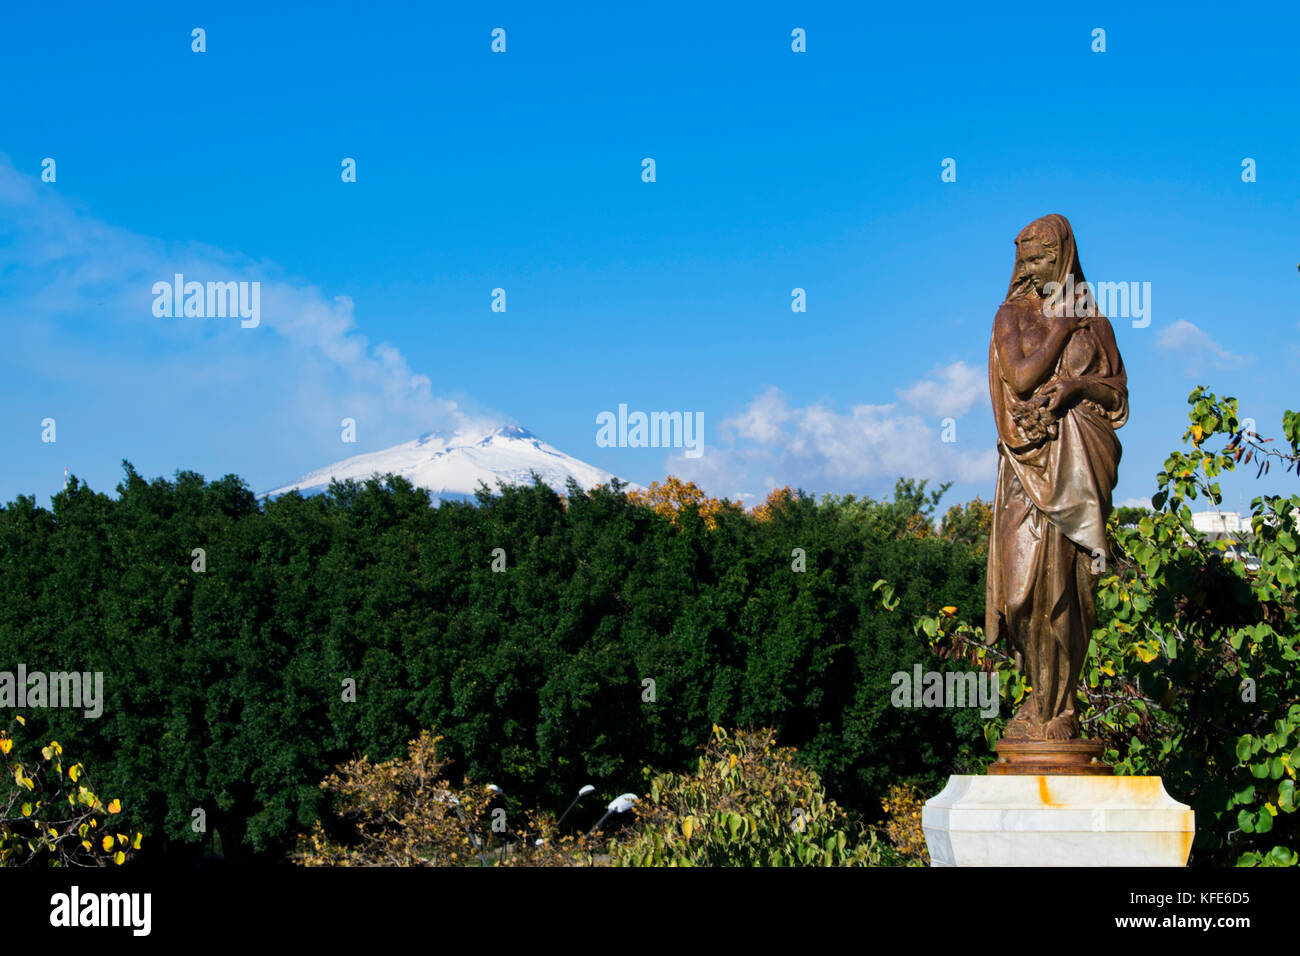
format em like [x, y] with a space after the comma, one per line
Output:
[1059, 392]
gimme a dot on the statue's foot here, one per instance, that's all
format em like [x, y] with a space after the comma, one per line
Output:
[1023, 726]
[1062, 727]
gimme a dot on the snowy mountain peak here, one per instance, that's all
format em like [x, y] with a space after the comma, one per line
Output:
[451, 465]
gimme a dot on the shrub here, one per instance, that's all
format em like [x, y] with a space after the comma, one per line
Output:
[747, 804]
[902, 807]
[52, 816]
[402, 813]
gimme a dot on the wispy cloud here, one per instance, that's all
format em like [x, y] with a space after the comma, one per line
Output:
[83, 289]
[1197, 348]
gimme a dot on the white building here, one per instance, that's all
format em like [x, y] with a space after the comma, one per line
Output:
[1219, 524]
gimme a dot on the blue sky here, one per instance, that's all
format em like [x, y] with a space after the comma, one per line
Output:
[775, 170]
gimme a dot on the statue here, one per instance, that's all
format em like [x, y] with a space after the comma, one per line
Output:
[1059, 391]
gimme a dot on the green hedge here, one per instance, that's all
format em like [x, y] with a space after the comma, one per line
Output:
[224, 689]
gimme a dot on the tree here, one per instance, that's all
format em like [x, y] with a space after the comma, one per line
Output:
[909, 515]
[969, 524]
[402, 812]
[775, 499]
[1127, 515]
[674, 495]
[250, 646]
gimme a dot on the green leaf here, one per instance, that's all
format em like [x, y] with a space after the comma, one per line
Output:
[1286, 796]
[1281, 856]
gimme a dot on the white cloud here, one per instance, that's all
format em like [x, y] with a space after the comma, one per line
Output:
[770, 443]
[1198, 348]
[952, 391]
[763, 419]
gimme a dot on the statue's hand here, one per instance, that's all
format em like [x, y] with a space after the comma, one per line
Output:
[1059, 396]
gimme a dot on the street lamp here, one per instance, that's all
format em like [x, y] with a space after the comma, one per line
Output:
[620, 804]
[581, 793]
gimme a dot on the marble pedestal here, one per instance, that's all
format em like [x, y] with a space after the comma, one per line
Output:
[1056, 820]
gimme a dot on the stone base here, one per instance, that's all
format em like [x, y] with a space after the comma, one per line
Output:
[1057, 820]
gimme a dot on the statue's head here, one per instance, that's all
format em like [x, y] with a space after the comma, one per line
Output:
[1036, 257]
[1044, 253]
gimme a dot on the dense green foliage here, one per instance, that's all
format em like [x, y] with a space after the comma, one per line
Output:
[1197, 673]
[225, 687]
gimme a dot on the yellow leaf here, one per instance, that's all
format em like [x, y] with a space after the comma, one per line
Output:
[115, 806]
[21, 720]
[27, 809]
[135, 844]
[86, 844]
[107, 842]
[688, 826]
[119, 857]
[949, 610]
[74, 772]
[5, 745]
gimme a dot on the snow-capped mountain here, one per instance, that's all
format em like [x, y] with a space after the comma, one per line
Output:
[451, 467]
